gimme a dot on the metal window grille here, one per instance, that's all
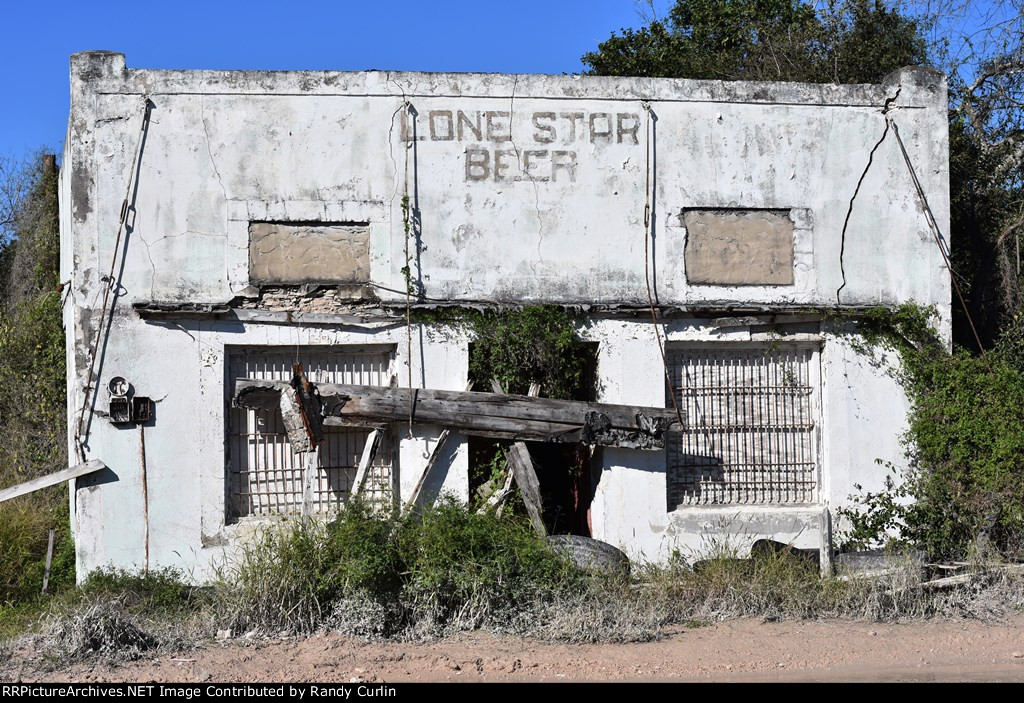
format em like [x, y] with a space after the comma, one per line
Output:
[751, 430]
[265, 477]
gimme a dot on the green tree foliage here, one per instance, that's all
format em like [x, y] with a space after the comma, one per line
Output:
[32, 378]
[32, 375]
[965, 443]
[986, 181]
[535, 344]
[776, 40]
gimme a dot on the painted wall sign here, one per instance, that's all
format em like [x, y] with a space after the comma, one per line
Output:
[543, 148]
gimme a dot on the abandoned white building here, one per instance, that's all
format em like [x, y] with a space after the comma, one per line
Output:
[222, 225]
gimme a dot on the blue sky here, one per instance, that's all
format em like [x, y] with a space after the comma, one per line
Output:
[522, 36]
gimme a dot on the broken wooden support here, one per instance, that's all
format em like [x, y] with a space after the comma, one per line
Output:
[497, 500]
[300, 412]
[521, 468]
[519, 460]
[49, 562]
[53, 479]
[431, 462]
[366, 460]
[825, 548]
[515, 417]
[308, 471]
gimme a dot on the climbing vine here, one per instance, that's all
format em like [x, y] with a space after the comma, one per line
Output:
[964, 441]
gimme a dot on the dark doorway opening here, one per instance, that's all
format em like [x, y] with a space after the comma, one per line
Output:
[563, 470]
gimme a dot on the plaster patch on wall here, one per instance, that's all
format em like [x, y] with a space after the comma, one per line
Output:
[285, 252]
[726, 246]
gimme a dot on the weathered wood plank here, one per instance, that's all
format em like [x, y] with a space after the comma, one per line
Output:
[488, 414]
[300, 412]
[308, 472]
[435, 454]
[526, 478]
[496, 427]
[49, 562]
[499, 497]
[53, 479]
[522, 469]
[366, 460]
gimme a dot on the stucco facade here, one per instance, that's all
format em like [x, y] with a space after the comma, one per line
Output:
[760, 206]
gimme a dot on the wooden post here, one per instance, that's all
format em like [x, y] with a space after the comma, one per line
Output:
[526, 478]
[312, 457]
[49, 560]
[53, 479]
[825, 555]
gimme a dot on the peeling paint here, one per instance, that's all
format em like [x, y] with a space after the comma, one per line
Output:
[557, 217]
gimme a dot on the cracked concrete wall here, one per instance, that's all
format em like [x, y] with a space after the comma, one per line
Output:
[543, 174]
[504, 188]
[861, 416]
[181, 365]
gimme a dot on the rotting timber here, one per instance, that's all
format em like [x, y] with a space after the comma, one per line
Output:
[495, 415]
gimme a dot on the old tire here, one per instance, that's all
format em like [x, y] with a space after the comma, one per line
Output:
[590, 554]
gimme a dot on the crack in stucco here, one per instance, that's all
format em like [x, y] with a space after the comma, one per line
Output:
[856, 191]
[149, 255]
[216, 171]
[209, 149]
[391, 135]
[533, 181]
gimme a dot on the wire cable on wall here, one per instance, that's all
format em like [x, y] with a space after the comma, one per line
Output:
[647, 263]
[407, 269]
[933, 226]
[111, 282]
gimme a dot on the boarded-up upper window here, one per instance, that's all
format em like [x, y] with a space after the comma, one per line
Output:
[288, 252]
[739, 247]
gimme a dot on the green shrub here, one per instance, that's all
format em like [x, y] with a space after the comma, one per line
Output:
[160, 591]
[444, 567]
[965, 444]
[24, 533]
[469, 569]
[534, 344]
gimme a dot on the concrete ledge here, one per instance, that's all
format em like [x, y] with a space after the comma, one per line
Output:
[109, 70]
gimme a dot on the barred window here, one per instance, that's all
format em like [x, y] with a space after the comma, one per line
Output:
[265, 477]
[751, 426]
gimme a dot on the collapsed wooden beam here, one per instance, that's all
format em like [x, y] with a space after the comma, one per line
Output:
[300, 413]
[515, 417]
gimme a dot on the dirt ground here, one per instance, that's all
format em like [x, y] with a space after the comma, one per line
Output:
[742, 650]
